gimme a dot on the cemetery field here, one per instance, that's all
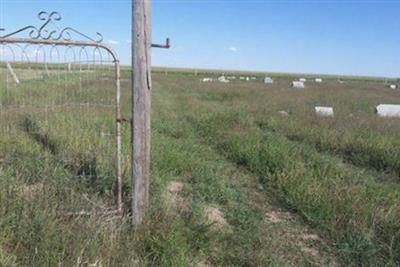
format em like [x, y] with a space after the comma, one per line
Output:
[243, 173]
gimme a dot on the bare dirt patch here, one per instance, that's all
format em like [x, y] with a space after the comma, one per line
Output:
[273, 217]
[283, 113]
[313, 252]
[215, 217]
[31, 191]
[173, 196]
[204, 263]
[175, 186]
[278, 216]
[313, 237]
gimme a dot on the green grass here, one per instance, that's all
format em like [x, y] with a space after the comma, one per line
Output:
[356, 209]
[337, 178]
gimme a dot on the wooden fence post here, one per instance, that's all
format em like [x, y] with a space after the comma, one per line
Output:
[13, 74]
[141, 106]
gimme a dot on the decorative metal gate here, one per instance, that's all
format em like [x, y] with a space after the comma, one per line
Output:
[62, 76]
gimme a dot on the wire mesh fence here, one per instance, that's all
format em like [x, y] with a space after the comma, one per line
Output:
[59, 103]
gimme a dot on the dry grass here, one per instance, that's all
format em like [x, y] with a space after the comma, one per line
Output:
[286, 190]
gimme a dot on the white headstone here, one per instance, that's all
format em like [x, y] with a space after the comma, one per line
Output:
[393, 86]
[303, 80]
[222, 79]
[324, 111]
[298, 84]
[318, 80]
[385, 110]
[268, 80]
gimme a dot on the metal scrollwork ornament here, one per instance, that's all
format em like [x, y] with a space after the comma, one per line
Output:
[44, 33]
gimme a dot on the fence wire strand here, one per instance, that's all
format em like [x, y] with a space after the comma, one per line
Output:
[61, 100]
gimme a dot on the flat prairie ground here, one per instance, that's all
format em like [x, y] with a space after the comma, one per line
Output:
[243, 173]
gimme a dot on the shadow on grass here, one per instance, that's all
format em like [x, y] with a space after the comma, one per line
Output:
[81, 166]
[32, 128]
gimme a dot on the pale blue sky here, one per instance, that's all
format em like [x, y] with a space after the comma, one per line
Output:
[335, 37]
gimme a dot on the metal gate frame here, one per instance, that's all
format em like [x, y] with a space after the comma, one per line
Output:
[63, 38]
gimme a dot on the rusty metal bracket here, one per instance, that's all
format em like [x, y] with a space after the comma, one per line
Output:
[167, 45]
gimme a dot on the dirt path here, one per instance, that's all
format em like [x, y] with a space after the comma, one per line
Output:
[280, 233]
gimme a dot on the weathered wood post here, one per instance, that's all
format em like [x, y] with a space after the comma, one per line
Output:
[13, 74]
[141, 105]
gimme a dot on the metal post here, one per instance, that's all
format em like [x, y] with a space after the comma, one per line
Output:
[118, 134]
[141, 103]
